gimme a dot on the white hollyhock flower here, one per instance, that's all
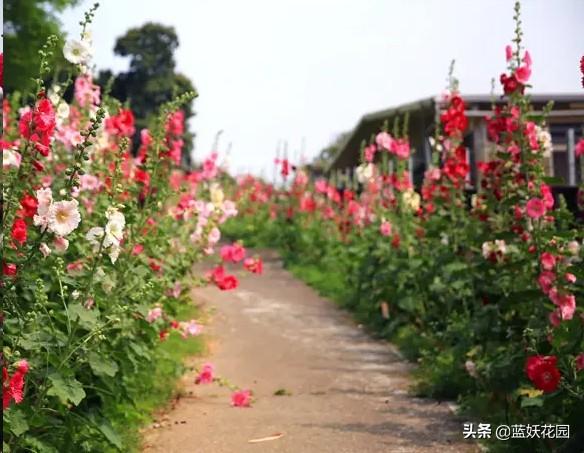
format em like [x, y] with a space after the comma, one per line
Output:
[44, 249]
[77, 51]
[45, 200]
[365, 172]
[217, 195]
[64, 217]
[411, 199]
[10, 158]
[94, 236]
[114, 252]
[114, 229]
[60, 244]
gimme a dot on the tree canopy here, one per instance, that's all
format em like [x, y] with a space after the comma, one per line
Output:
[27, 25]
[151, 79]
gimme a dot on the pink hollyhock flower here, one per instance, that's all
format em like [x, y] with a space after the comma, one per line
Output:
[568, 306]
[232, 253]
[154, 314]
[321, 186]
[580, 361]
[579, 149]
[190, 329]
[508, 52]
[547, 261]
[546, 280]
[89, 303]
[214, 236]
[206, 374]
[569, 277]
[241, 398]
[554, 318]
[64, 217]
[548, 198]
[369, 153]
[44, 249]
[254, 265]
[385, 228]
[401, 148]
[61, 244]
[384, 141]
[535, 208]
[137, 249]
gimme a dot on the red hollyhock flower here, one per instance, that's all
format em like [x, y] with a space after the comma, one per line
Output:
[254, 265]
[543, 372]
[19, 231]
[13, 387]
[227, 282]
[121, 124]
[9, 269]
[29, 205]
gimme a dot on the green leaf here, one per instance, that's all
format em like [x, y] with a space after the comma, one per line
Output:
[66, 388]
[532, 402]
[102, 366]
[110, 434]
[87, 318]
[16, 421]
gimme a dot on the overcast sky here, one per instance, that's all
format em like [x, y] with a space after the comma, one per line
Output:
[306, 70]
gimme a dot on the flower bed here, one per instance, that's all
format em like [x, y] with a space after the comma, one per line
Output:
[98, 250]
[483, 297]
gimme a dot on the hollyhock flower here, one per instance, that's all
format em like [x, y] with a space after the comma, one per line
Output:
[411, 199]
[569, 277]
[64, 217]
[89, 303]
[548, 198]
[567, 306]
[543, 372]
[580, 362]
[75, 267]
[9, 269]
[228, 282]
[18, 232]
[154, 314]
[137, 249]
[176, 290]
[163, 335]
[206, 374]
[10, 158]
[190, 328]
[579, 149]
[523, 73]
[365, 172]
[385, 228]
[384, 141]
[13, 387]
[546, 280]
[547, 261]
[44, 249]
[254, 265]
[241, 398]
[77, 51]
[535, 208]
[369, 153]
[401, 148]
[321, 186]
[508, 52]
[555, 318]
[60, 244]
[573, 248]
[29, 205]
[114, 228]
[232, 253]
[45, 200]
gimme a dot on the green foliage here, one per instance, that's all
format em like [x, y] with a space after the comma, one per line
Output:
[27, 26]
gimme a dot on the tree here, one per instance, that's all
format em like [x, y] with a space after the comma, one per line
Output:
[27, 25]
[151, 79]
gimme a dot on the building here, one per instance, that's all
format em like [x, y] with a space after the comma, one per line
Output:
[565, 122]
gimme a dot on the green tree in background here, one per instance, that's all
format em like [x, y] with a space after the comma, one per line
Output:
[27, 25]
[151, 79]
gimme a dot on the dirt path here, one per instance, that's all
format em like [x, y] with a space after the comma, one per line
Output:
[348, 392]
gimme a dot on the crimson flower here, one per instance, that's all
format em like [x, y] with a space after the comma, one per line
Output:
[543, 372]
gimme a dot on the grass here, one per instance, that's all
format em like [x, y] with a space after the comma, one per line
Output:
[156, 385]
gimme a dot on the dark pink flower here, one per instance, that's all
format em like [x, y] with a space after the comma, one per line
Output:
[241, 398]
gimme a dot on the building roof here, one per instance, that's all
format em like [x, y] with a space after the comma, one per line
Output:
[428, 109]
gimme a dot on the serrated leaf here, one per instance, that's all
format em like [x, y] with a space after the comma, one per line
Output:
[66, 388]
[102, 366]
[17, 421]
[87, 318]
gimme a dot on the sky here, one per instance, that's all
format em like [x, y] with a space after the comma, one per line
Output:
[303, 71]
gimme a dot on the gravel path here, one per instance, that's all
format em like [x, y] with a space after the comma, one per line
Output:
[345, 392]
